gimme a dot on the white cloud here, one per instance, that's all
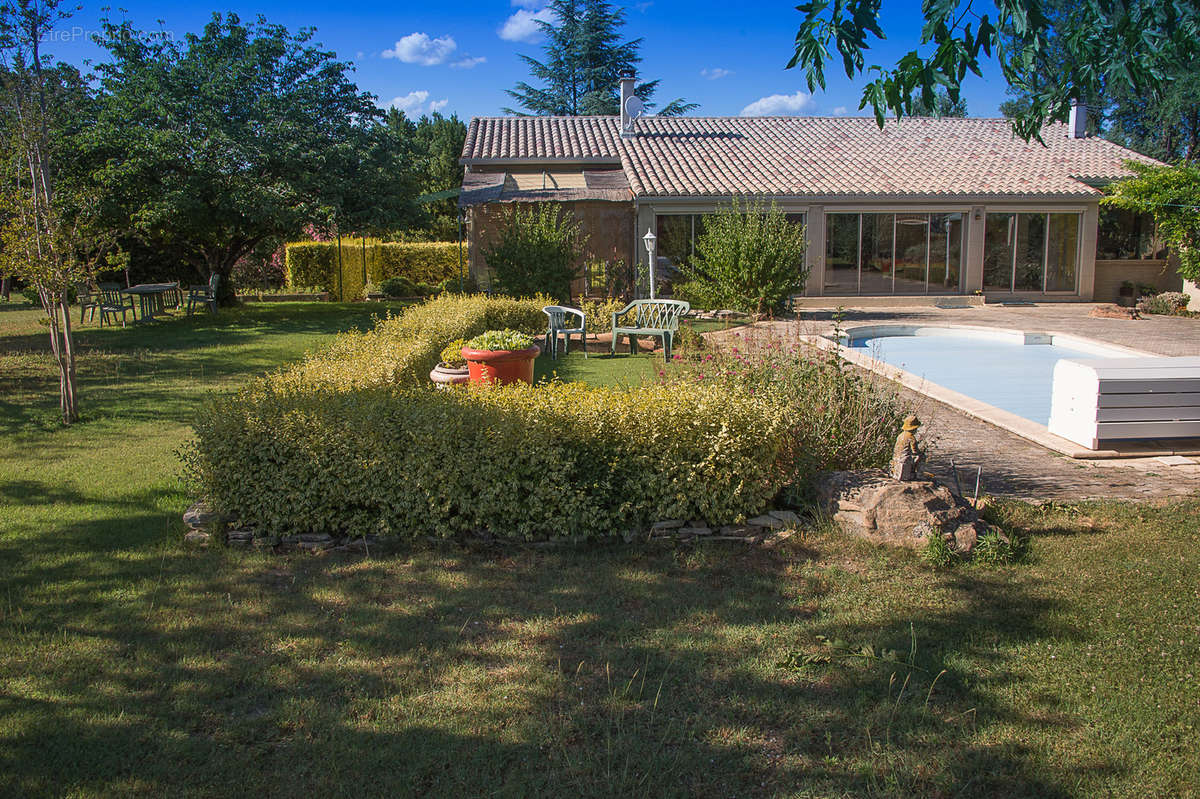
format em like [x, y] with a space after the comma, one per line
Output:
[418, 48]
[841, 111]
[716, 73]
[778, 105]
[469, 62]
[523, 25]
[417, 102]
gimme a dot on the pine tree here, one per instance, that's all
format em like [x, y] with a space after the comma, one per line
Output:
[585, 59]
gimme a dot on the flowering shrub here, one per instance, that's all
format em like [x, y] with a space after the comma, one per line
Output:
[1169, 302]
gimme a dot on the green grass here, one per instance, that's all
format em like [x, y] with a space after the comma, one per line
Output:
[132, 666]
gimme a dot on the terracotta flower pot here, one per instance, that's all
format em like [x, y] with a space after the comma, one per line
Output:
[446, 376]
[501, 366]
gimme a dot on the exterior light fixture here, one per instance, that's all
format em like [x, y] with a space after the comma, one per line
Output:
[650, 240]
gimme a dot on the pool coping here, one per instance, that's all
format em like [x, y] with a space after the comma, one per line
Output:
[1005, 420]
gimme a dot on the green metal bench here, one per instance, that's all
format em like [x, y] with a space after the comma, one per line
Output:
[658, 318]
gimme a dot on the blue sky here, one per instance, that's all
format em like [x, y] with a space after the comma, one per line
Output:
[459, 57]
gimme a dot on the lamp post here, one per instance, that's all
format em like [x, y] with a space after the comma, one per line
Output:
[650, 240]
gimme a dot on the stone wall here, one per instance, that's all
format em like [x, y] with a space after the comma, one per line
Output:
[1111, 274]
[608, 227]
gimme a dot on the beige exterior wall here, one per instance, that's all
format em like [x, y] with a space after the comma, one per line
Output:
[608, 227]
[1111, 274]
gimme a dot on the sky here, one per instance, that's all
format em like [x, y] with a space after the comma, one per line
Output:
[460, 57]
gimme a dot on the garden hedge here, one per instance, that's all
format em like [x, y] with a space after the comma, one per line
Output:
[559, 460]
[315, 263]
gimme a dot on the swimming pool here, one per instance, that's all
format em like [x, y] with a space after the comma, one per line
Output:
[1008, 369]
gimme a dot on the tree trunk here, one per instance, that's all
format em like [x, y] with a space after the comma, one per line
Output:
[62, 347]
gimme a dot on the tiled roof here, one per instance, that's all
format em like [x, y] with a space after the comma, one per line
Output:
[814, 156]
[542, 138]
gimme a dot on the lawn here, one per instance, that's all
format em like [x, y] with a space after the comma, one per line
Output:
[130, 665]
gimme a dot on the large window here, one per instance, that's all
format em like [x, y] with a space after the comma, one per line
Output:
[1125, 236]
[1031, 252]
[905, 253]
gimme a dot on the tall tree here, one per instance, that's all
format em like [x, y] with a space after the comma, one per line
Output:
[942, 106]
[585, 59]
[242, 133]
[45, 237]
[1091, 46]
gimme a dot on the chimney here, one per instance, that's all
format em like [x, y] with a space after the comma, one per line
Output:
[627, 83]
[1077, 122]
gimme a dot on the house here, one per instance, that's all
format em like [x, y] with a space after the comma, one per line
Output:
[922, 207]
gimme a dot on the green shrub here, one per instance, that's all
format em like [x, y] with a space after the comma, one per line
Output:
[937, 552]
[748, 257]
[1168, 302]
[398, 287]
[558, 461]
[315, 263]
[452, 354]
[500, 340]
[458, 285]
[537, 250]
[420, 261]
[311, 263]
[598, 314]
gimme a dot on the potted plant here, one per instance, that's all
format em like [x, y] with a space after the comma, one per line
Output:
[501, 356]
[452, 368]
[1125, 294]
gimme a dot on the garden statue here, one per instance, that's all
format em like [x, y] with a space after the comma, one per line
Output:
[908, 457]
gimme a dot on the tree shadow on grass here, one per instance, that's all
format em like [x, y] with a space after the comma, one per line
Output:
[590, 672]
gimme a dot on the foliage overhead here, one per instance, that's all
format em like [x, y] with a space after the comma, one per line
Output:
[537, 250]
[749, 257]
[241, 133]
[585, 59]
[1093, 45]
[1172, 195]
[433, 145]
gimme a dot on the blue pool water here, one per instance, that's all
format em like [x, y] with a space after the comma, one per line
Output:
[998, 369]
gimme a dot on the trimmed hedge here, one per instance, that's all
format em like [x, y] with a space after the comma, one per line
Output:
[555, 461]
[404, 348]
[314, 263]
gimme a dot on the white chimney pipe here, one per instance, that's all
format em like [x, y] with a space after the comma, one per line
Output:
[1077, 122]
[627, 84]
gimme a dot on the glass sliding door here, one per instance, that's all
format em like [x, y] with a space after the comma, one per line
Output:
[877, 253]
[841, 253]
[1062, 252]
[912, 253]
[945, 253]
[999, 240]
[1031, 252]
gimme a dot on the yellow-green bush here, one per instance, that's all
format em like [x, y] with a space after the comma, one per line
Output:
[558, 460]
[404, 348]
[315, 263]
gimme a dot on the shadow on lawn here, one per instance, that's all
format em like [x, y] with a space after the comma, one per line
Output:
[603, 672]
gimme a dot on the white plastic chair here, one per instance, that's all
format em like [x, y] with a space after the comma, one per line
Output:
[559, 315]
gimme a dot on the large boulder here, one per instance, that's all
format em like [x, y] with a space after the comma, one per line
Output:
[873, 505]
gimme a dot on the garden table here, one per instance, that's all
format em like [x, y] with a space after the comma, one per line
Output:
[150, 296]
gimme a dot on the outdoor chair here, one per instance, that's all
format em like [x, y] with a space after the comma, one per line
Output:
[204, 295]
[651, 318]
[114, 303]
[89, 301]
[560, 316]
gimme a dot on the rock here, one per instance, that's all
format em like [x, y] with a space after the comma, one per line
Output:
[667, 524]
[788, 517]
[739, 530]
[201, 515]
[872, 505]
[690, 531]
[314, 538]
[1113, 312]
[768, 521]
[776, 538]
[198, 538]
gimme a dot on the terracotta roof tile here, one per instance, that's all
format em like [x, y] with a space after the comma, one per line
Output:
[810, 156]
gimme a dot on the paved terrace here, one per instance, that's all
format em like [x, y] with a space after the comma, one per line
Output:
[1013, 466]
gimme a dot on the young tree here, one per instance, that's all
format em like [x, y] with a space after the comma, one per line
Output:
[749, 257]
[44, 237]
[537, 251]
[1088, 48]
[242, 133]
[585, 60]
[1172, 195]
